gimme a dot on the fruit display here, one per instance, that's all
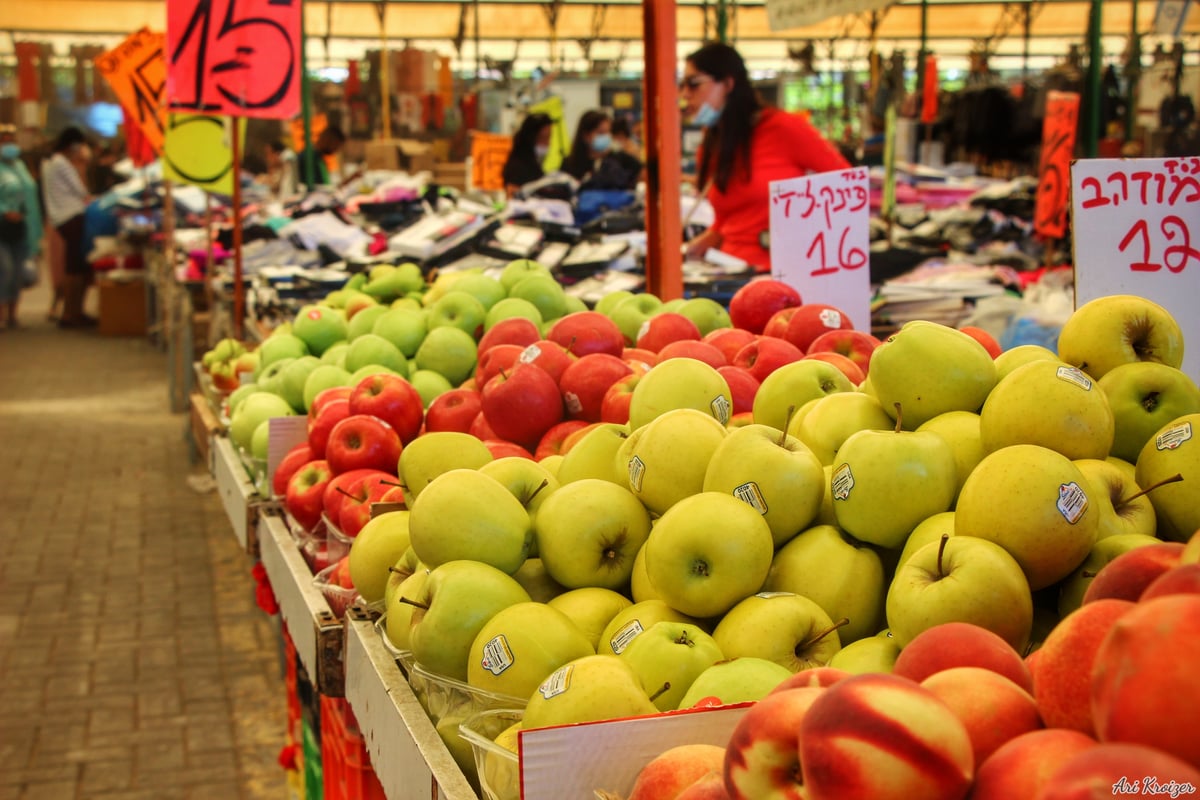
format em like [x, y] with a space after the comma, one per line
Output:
[914, 556]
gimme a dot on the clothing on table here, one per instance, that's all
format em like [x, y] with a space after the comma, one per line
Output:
[19, 193]
[783, 145]
[63, 189]
[522, 168]
[319, 166]
[613, 170]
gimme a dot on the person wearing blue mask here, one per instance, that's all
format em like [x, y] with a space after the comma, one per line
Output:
[746, 145]
[20, 225]
[593, 160]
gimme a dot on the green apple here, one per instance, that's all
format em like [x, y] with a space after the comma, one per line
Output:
[929, 530]
[488, 291]
[594, 456]
[841, 575]
[639, 582]
[234, 401]
[1075, 586]
[829, 422]
[270, 378]
[1033, 502]
[367, 371]
[429, 384]
[528, 481]
[551, 464]
[253, 411]
[608, 302]
[776, 474]
[319, 327]
[337, 298]
[436, 452]
[376, 548]
[465, 514]
[460, 310]
[1119, 500]
[398, 573]
[668, 460]
[674, 305]
[930, 369]
[534, 579]
[1144, 397]
[408, 303]
[738, 680]
[404, 328]
[680, 383]
[587, 689]
[634, 620]
[518, 270]
[520, 646]
[279, 347]
[704, 569]
[591, 609]
[1119, 329]
[826, 514]
[885, 482]
[356, 303]
[1173, 450]
[325, 376]
[336, 355]
[589, 532]
[791, 386]
[631, 313]
[448, 351]
[371, 349]
[459, 597]
[364, 321]
[961, 579]
[789, 629]
[512, 307]
[544, 292]
[960, 430]
[260, 439]
[873, 654]
[293, 378]
[398, 626]
[385, 285]
[671, 654]
[1048, 404]
[706, 313]
[573, 304]
[1019, 356]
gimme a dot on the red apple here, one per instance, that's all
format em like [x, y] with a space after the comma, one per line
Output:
[470, 383]
[993, 708]
[1128, 575]
[321, 425]
[338, 489]
[501, 356]
[305, 491]
[584, 382]
[777, 325]
[326, 396]
[752, 305]
[811, 321]
[550, 356]
[741, 420]
[297, 457]
[555, 439]
[634, 356]
[675, 769]
[700, 351]
[858, 346]
[502, 449]
[514, 330]
[763, 758]
[847, 367]
[743, 386]
[520, 406]
[394, 494]
[729, 341]
[1117, 770]
[662, 329]
[1022, 765]
[341, 574]
[615, 405]
[393, 400]
[586, 332]
[356, 509]
[984, 338]
[363, 442]
[765, 355]
[454, 410]
[960, 644]
[480, 428]
[1182, 579]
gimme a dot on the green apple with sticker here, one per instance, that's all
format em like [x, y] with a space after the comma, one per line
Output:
[1173, 450]
[520, 646]
[667, 461]
[680, 383]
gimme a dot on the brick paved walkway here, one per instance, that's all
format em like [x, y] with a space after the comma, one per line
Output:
[133, 662]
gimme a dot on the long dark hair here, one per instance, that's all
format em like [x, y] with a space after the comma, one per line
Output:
[727, 143]
[579, 161]
[68, 138]
[525, 139]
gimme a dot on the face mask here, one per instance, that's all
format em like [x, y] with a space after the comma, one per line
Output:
[10, 151]
[541, 151]
[601, 143]
[706, 116]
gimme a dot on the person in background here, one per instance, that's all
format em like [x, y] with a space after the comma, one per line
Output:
[746, 145]
[20, 224]
[623, 138]
[329, 143]
[66, 199]
[531, 144]
[280, 176]
[592, 160]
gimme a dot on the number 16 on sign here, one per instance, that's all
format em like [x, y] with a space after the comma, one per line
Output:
[820, 239]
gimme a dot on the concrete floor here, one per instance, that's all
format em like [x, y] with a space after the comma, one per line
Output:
[133, 661]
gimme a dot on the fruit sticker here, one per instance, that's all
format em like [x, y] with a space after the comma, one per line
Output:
[642, 330]
[572, 401]
[830, 318]
[842, 483]
[1072, 502]
[627, 634]
[497, 655]
[314, 314]
[557, 683]
[1075, 376]
[637, 468]
[529, 354]
[751, 495]
[769, 595]
[720, 409]
[1173, 437]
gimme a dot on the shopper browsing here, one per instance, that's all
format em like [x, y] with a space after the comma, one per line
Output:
[20, 224]
[329, 143]
[746, 145]
[593, 161]
[66, 199]
[531, 144]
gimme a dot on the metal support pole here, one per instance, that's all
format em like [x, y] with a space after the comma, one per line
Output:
[239, 289]
[1091, 125]
[1133, 72]
[385, 68]
[310, 157]
[664, 227]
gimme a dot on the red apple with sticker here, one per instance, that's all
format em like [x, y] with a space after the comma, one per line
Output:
[752, 306]
[586, 332]
[585, 381]
[520, 406]
[453, 410]
[305, 492]
[297, 457]
[765, 355]
[550, 356]
[391, 399]
[321, 426]
[813, 320]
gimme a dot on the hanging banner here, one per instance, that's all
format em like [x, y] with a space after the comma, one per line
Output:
[820, 237]
[137, 72]
[1136, 225]
[489, 152]
[785, 14]
[1169, 17]
[234, 57]
[1058, 146]
[199, 151]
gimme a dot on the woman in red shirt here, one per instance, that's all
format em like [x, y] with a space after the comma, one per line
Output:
[746, 145]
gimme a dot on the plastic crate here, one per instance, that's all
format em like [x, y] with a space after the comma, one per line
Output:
[348, 774]
[314, 786]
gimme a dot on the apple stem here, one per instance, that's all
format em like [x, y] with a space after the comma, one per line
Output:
[406, 601]
[396, 571]
[1176, 478]
[899, 418]
[343, 492]
[685, 639]
[504, 374]
[787, 423]
[571, 344]
[941, 552]
[541, 486]
[1088, 574]
[662, 690]
[392, 483]
[841, 623]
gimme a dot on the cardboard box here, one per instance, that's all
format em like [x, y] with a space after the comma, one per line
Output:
[409, 155]
[122, 306]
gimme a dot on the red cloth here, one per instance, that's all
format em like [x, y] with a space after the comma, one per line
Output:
[263, 595]
[929, 94]
[784, 146]
[28, 85]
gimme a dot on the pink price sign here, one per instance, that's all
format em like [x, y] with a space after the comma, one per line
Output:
[820, 240]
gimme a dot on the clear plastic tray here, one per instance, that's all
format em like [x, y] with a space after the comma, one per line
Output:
[444, 697]
[498, 768]
[339, 598]
[403, 657]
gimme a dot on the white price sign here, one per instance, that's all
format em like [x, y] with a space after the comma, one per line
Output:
[820, 240]
[1136, 224]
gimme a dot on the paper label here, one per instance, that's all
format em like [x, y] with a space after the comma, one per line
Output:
[842, 483]
[1075, 376]
[637, 469]
[830, 318]
[720, 409]
[625, 635]
[497, 655]
[751, 495]
[557, 683]
[1072, 502]
[572, 401]
[643, 329]
[769, 595]
[1173, 437]
[530, 354]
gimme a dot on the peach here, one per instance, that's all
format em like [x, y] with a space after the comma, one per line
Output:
[673, 770]
[993, 708]
[1128, 575]
[1182, 579]
[883, 738]
[1021, 765]
[1062, 684]
[1144, 678]
[1109, 770]
[814, 676]
[762, 760]
[710, 787]
[960, 644]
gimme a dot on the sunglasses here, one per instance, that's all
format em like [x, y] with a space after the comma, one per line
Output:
[694, 82]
